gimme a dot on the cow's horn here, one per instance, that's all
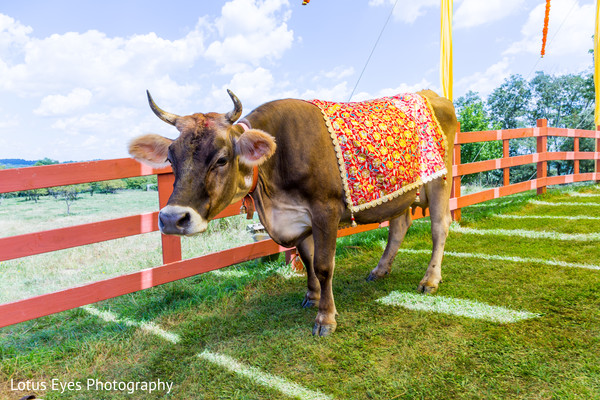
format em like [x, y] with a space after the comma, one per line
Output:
[165, 116]
[234, 115]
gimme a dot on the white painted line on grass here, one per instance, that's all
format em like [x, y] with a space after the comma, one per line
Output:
[487, 204]
[284, 386]
[577, 194]
[569, 217]
[578, 237]
[146, 326]
[570, 204]
[274, 382]
[230, 274]
[452, 306]
[494, 257]
[490, 203]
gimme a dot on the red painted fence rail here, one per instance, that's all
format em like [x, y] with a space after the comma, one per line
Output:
[174, 268]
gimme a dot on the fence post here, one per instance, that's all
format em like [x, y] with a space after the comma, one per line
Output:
[542, 148]
[575, 160]
[456, 180]
[506, 154]
[171, 245]
[597, 154]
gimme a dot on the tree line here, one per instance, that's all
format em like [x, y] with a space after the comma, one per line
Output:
[566, 101]
[71, 193]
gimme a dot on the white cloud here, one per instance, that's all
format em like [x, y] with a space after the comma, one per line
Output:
[250, 31]
[90, 86]
[576, 24]
[472, 13]
[13, 34]
[339, 72]
[100, 135]
[339, 92]
[9, 121]
[114, 68]
[408, 11]
[256, 85]
[485, 82]
[58, 104]
[402, 88]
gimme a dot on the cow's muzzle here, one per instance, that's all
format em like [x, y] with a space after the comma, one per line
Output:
[180, 220]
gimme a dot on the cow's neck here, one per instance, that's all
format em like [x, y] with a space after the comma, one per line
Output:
[247, 201]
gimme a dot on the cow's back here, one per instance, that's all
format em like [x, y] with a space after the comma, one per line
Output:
[305, 158]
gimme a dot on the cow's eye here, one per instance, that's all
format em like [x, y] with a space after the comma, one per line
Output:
[221, 161]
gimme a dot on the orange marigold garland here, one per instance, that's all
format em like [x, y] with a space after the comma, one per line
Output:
[545, 30]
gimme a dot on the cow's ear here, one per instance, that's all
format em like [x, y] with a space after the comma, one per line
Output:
[254, 147]
[150, 149]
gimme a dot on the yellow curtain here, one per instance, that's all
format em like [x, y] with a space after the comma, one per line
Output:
[597, 65]
[446, 49]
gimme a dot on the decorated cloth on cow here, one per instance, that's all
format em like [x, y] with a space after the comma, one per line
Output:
[384, 147]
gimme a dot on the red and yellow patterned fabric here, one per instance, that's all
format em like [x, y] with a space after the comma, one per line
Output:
[384, 147]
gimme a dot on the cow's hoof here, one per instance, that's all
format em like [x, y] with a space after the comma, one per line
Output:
[308, 302]
[373, 276]
[323, 329]
[427, 288]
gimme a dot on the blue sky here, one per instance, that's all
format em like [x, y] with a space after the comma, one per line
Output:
[73, 73]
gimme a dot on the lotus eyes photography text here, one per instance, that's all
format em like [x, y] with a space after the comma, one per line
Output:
[56, 385]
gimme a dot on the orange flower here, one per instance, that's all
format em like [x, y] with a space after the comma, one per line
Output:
[545, 30]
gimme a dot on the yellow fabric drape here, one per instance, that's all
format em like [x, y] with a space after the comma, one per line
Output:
[597, 65]
[446, 49]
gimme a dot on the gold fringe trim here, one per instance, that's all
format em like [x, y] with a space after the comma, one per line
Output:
[344, 173]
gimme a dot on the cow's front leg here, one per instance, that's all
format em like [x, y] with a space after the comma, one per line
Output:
[306, 249]
[325, 223]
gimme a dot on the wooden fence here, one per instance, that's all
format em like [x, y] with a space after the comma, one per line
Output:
[175, 268]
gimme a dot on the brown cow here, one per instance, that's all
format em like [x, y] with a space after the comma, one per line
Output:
[299, 194]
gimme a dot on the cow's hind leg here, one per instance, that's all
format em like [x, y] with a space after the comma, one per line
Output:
[397, 230]
[306, 249]
[439, 209]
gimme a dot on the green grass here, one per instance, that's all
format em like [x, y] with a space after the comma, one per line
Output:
[18, 216]
[253, 315]
[45, 273]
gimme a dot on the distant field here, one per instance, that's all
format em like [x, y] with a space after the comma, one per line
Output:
[517, 317]
[43, 273]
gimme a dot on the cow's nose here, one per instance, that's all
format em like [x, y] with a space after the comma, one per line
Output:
[180, 220]
[174, 221]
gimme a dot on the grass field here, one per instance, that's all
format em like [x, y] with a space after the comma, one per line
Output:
[241, 333]
[44, 273]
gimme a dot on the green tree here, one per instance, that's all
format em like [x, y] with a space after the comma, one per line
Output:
[70, 193]
[34, 194]
[509, 104]
[566, 101]
[473, 117]
[46, 161]
[111, 186]
[142, 183]
[471, 113]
